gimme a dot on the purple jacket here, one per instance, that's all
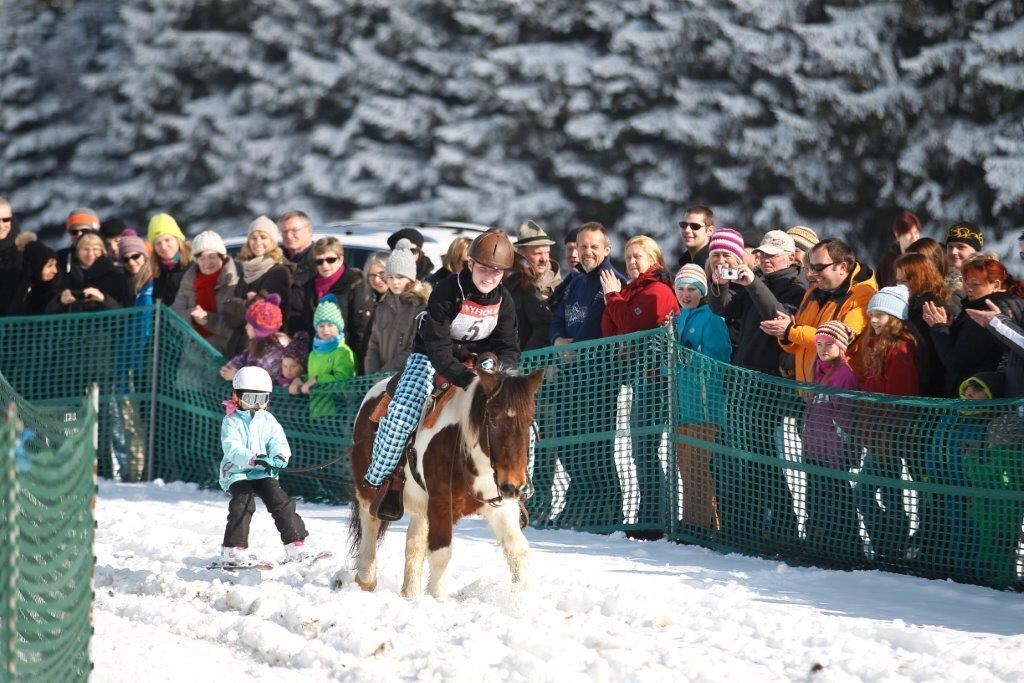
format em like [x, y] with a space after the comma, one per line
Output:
[270, 361]
[824, 443]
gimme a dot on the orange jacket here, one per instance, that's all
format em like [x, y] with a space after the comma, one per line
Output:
[848, 303]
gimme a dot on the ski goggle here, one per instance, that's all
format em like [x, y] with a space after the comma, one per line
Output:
[253, 398]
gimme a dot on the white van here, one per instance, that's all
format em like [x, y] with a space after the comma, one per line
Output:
[362, 238]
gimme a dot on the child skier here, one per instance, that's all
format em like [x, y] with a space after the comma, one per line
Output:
[255, 451]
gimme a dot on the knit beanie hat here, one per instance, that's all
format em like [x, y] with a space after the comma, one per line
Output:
[725, 239]
[401, 261]
[327, 311]
[837, 331]
[298, 348]
[83, 218]
[892, 300]
[804, 237]
[967, 233]
[265, 315]
[208, 240]
[113, 227]
[992, 383]
[163, 224]
[411, 234]
[131, 243]
[692, 274]
[264, 224]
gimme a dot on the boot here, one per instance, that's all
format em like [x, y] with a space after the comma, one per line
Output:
[387, 505]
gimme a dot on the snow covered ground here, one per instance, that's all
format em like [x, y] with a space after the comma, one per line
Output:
[601, 608]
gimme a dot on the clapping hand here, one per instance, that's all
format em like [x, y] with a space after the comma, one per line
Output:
[777, 326]
[610, 283]
[934, 314]
[983, 318]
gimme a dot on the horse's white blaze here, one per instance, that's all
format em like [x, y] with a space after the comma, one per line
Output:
[375, 391]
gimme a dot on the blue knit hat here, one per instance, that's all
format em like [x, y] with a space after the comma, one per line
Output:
[892, 300]
[327, 311]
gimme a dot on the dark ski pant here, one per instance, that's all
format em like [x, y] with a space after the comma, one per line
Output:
[243, 505]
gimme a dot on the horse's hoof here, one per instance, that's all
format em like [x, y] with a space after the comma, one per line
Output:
[368, 586]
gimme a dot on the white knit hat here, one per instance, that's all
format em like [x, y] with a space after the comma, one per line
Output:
[208, 240]
[264, 224]
[401, 261]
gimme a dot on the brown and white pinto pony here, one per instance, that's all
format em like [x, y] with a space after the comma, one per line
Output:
[472, 460]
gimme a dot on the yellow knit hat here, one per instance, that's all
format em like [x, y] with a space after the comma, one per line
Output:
[163, 224]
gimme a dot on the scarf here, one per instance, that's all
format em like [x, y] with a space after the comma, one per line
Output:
[170, 263]
[324, 284]
[256, 267]
[326, 345]
[206, 296]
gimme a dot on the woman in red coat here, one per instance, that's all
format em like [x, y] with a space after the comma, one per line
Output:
[647, 300]
[644, 303]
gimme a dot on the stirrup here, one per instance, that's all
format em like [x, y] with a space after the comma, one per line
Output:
[387, 504]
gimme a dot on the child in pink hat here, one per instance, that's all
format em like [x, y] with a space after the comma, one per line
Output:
[263, 320]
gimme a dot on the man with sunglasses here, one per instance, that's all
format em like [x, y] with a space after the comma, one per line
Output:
[695, 231]
[468, 315]
[840, 289]
[79, 222]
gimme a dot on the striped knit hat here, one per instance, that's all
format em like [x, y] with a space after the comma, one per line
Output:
[725, 239]
[327, 311]
[837, 331]
[804, 237]
[692, 274]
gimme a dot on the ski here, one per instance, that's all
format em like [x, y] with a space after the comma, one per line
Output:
[309, 559]
[260, 565]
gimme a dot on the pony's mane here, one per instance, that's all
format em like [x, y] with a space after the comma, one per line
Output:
[513, 396]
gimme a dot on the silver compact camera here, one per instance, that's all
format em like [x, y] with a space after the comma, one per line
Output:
[727, 273]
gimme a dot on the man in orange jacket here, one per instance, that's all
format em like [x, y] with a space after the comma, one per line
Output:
[840, 290]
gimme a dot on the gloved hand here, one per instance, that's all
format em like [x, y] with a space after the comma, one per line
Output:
[487, 362]
[271, 464]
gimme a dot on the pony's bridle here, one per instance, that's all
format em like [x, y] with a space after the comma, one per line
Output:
[485, 442]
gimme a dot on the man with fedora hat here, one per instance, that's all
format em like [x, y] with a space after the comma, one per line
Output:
[534, 246]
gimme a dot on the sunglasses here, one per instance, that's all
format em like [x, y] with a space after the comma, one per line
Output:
[326, 259]
[134, 257]
[6, 219]
[691, 226]
[252, 398]
[818, 267]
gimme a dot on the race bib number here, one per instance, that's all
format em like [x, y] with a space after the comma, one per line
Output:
[474, 321]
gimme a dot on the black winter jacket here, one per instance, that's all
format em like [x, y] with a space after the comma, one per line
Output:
[745, 307]
[434, 337]
[104, 276]
[533, 317]
[349, 294]
[966, 348]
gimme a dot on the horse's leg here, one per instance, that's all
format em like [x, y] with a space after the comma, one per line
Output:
[415, 553]
[504, 522]
[366, 562]
[439, 541]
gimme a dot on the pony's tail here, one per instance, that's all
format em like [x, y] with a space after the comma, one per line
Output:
[355, 529]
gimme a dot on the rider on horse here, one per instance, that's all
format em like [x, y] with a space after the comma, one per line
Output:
[469, 314]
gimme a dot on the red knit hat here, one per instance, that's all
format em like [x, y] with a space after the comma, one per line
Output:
[265, 315]
[727, 240]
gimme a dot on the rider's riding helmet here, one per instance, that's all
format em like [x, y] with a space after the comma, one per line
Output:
[252, 387]
[493, 249]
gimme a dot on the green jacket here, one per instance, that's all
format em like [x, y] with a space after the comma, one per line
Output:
[338, 365]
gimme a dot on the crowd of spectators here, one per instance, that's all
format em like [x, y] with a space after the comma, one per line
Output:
[930, 318]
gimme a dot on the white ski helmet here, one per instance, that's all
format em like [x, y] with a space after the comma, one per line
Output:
[252, 379]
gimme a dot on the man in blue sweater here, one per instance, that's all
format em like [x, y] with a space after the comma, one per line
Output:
[594, 497]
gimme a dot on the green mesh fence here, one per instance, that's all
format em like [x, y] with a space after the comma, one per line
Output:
[635, 435]
[47, 489]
